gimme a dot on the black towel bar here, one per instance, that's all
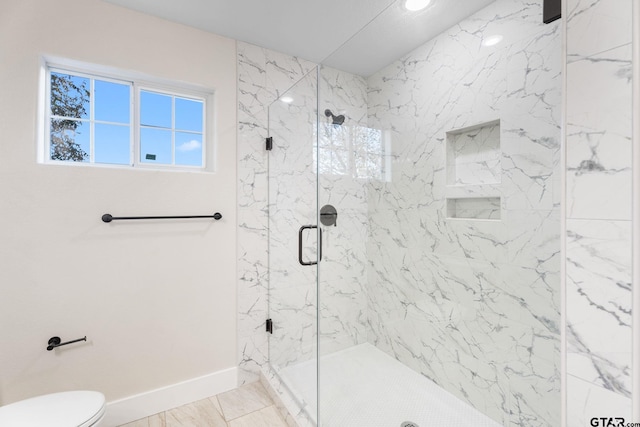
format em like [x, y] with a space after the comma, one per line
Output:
[109, 217]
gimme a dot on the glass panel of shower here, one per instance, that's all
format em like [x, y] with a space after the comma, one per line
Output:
[293, 241]
[439, 286]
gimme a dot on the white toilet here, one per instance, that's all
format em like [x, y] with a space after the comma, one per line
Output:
[66, 409]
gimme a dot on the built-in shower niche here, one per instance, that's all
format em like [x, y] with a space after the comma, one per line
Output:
[473, 155]
[474, 173]
[474, 208]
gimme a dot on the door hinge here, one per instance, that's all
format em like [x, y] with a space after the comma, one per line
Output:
[269, 142]
[269, 326]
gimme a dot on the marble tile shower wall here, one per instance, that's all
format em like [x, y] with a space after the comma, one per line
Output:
[473, 304]
[263, 76]
[598, 208]
[293, 296]
[342, 298]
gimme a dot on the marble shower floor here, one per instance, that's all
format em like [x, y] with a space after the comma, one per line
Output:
[363, 386]
[246, 406]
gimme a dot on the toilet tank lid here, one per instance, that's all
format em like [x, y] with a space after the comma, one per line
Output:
[69, 408]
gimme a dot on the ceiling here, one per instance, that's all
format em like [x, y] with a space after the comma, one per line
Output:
[359, 36]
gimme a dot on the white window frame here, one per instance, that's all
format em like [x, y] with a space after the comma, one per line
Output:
[174, 94]
[137, 83]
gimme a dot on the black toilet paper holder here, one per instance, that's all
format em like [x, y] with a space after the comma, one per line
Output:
[57, 342]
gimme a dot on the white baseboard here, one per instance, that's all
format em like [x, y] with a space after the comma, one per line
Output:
[142, 405]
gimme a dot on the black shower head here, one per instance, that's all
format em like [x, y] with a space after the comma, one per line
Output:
[335, 120]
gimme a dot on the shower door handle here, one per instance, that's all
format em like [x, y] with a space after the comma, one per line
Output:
[308, 227]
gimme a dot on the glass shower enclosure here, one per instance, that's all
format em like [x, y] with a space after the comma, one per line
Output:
[429, 290]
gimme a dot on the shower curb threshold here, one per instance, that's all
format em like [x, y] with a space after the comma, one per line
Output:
[289, 408]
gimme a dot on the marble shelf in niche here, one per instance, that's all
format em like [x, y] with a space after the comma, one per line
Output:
[476, 202]
[473, 171]
[487, 208]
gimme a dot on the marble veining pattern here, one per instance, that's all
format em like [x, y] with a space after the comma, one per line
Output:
[599, 136]
[468, 305]
[341, 289]
[472, 304]
[292, 186]
[427, 290]
[473, 156]
[595, 26]
[599, 303]
[263, 76]
[599, 185]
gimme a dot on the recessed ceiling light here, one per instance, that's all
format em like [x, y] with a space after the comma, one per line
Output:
[414, 5]
[492, 40]
[286, 99]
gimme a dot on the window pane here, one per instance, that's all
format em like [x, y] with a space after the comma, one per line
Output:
[70, 140]
[188, 115]
[155, 109]
[112, 102]
[155, 146]
[112, 144]
[188, 149]
[69, 96]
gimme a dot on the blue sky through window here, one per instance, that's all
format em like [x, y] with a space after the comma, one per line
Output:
[155, 146]
[155, 109]
[188, 149]
[160, 113]
[112, 102]
[188, 115]
[112, 144]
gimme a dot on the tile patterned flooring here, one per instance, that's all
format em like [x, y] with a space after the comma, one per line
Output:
[246, 406]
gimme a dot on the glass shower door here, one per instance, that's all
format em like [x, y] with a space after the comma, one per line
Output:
[293, 241]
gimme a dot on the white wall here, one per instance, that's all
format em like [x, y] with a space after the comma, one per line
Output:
[156, 300]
